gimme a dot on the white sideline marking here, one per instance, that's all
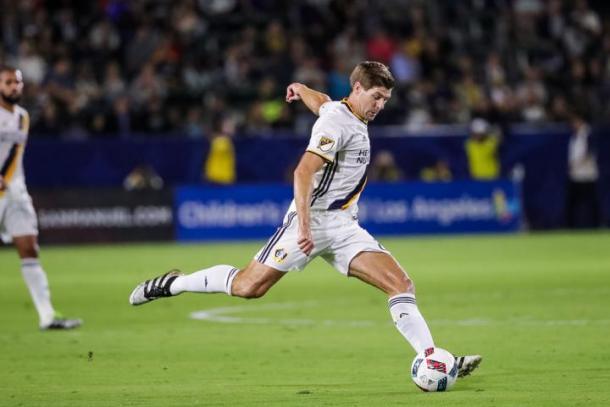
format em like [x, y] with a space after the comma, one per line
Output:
[220, 315]
[225, 315]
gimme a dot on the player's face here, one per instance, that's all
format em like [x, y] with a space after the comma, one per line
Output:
[11, 86]
[373, 100]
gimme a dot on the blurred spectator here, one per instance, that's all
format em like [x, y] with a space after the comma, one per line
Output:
[482, 151]
[438, 172]
[219, 167]
[113, 83]
[141, 48]
[193, 127]
[32, 65]
[269, 110]
[120, 122]
[582, 199]
[49, 124]
[380, 46]
[502, 60]
[384, 168]
[338, 81]
[404, 63]
[559, 109]
[147, 87]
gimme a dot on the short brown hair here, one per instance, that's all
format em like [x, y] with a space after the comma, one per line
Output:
[7, 68]
[371, 74]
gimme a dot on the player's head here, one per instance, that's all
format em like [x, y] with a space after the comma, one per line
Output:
[11, 85]
[372, 84]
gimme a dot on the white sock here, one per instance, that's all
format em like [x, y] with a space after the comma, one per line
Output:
[36, 280]
[410, 322]
[216, 279]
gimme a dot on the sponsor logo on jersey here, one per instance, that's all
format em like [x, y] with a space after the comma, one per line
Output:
[326, 144]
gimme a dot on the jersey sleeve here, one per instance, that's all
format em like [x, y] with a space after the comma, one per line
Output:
[326, 135]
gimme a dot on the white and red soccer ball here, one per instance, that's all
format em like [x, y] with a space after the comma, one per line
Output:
[434, 369]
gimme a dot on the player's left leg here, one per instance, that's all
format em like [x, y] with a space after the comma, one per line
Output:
[380, 270]
[38, 284]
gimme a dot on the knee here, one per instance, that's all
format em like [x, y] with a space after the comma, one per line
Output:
[27, 246]
[401, 284]
[29, 252]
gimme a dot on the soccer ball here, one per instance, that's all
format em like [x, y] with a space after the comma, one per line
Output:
[434, 369]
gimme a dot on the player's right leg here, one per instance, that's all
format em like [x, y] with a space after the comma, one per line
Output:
[270, 264]
[253, 281]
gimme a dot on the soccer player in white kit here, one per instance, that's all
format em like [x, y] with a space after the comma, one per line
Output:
[322, 218]
[17, 216]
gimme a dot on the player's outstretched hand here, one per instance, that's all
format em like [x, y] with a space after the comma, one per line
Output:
[292, 92]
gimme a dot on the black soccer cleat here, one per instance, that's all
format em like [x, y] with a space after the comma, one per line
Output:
[466, 364]
[150, 290]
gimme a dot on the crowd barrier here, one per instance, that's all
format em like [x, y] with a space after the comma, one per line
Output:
[198, 213]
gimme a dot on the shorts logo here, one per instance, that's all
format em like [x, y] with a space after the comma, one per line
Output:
[326, 144]
[280, 255]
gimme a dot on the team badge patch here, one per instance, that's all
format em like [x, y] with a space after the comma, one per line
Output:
[280, 255]
[326, 144]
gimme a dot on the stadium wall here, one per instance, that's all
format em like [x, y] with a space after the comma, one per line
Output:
[104, 163]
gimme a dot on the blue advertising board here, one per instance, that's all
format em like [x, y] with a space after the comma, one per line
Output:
[255, 211]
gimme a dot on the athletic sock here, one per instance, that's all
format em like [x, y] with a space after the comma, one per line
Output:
[410, 322]
[216, 279]
[38, 285]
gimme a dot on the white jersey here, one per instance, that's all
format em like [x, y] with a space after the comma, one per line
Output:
[13, 136]
[341, 138]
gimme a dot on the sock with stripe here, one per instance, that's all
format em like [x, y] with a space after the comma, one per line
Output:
[410, 322]
[216, 279]
[38, 285]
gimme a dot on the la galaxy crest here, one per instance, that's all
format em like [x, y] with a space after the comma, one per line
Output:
[280, 255]
[326, 144]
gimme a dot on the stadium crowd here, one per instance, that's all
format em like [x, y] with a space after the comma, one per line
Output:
[116, 67]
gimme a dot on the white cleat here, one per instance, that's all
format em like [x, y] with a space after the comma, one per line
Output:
[150, 290]
[466, 364]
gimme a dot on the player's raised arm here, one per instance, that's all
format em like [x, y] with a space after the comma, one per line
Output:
[312, 98]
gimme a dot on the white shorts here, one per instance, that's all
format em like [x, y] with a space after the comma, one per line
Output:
[17, 217]
[337, 237]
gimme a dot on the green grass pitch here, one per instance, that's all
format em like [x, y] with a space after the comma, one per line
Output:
[537, 307]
